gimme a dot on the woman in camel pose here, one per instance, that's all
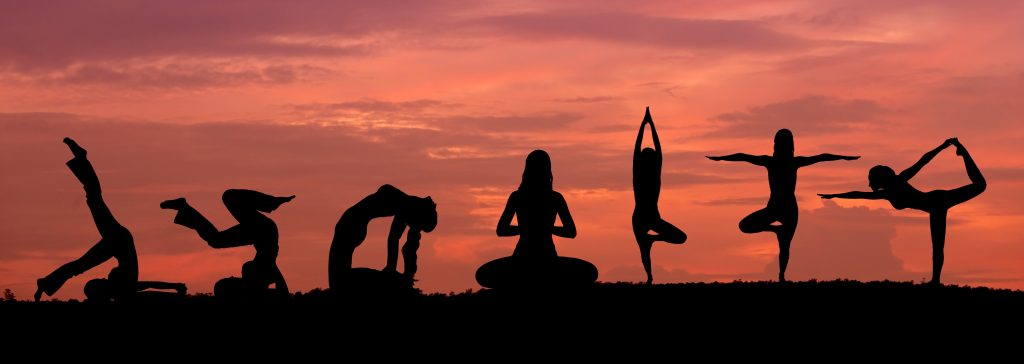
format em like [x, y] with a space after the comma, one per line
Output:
[418, 214]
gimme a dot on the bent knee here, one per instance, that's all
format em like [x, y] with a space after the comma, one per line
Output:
[748, 227]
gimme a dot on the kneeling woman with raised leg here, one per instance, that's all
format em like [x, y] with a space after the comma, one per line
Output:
[535, 263]
[887, 185]
[253, 228]
[116, 242]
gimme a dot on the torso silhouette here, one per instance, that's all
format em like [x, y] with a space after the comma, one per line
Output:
[782, 181]
[387, 201]
[647, 184]
[263, 234]
[902, 195]
[535, 212]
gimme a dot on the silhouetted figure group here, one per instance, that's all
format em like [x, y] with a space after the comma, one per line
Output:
[534, 264]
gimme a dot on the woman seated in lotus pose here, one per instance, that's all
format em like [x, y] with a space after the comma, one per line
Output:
[253, 228]
[887, 185]
[115, 242]
[534, 262]
[418, 214]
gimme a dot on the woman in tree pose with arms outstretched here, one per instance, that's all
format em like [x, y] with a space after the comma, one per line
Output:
[782, 208]
[887, 185]
[646, 189]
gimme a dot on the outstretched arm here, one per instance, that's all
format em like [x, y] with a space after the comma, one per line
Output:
[412, 244]
[853, 195]
[397, 229]
[824, 157]
[505, 227]
[927, 157]
[568, 228]
[760, 160]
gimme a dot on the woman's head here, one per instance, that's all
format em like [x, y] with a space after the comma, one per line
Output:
[648, 157]
[99, 290]
[783, 142]
[537, 174]
[881, 177]
[423, 214]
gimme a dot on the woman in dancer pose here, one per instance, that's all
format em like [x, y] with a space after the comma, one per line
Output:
[887, 185]
[115, 242]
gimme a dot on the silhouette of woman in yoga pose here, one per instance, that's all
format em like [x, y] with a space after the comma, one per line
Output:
[115, 242]
[646, 189]
[782, 208]
[418, 214]
[253, 228]
[534, 262]
[887, 185]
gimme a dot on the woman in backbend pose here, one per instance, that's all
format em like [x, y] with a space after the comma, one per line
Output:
[887, 185]
[115, 242]
[253, 228]
[782, 208]
[646, 189]
[534, 262]
[418, 214]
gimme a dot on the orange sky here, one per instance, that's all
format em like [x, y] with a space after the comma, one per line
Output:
[328, 100]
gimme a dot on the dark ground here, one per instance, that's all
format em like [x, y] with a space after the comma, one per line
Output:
[743, 317]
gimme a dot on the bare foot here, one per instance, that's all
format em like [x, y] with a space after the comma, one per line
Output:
[76, 150]
[175, 204]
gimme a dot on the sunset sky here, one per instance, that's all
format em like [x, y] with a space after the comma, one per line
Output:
[327, 100]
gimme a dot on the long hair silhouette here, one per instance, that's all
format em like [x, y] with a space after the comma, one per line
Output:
[534, 262]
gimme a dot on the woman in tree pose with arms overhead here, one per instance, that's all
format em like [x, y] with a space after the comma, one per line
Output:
[782, 208]
[887, 185]
[646, 189]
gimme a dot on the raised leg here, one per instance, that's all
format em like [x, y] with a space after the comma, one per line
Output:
[759, 221]
[98, 254]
